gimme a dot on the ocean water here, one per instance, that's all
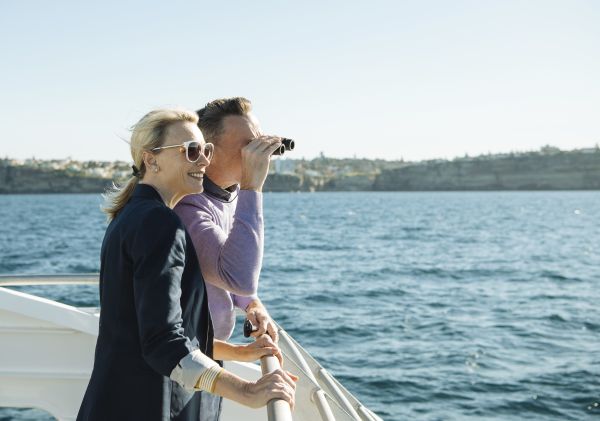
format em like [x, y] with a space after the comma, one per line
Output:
[427, 306]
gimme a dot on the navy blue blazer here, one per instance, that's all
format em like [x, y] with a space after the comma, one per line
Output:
[154, 311]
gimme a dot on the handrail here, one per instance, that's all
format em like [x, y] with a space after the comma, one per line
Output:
[61, 279]
[366, 413]
[277, 409]
[337, 393]
[318, 395]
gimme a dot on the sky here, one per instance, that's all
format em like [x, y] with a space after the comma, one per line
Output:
[408, 80]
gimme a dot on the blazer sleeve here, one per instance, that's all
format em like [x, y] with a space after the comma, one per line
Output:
[158, 262]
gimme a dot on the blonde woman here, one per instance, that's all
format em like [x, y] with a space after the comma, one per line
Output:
[155, 348]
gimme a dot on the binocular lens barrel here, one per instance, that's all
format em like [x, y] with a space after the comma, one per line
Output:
[286, 145]
[279, 151]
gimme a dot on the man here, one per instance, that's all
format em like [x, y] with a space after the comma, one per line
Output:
[226, 220]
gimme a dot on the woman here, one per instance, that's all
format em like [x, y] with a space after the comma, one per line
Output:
[153, 358]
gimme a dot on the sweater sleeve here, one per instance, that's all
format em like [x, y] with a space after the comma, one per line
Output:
[230, 262]
[158, 254]
[243, 302]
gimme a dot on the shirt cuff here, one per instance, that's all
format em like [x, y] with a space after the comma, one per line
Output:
[191, 368]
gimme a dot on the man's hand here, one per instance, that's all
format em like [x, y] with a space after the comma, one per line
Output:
[258, 316]
[256, 156]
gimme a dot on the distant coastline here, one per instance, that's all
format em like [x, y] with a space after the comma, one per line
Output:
[546, 169]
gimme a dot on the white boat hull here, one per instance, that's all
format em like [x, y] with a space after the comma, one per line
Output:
[47, 351]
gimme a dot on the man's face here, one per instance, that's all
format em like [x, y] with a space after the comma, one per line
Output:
[238, 131]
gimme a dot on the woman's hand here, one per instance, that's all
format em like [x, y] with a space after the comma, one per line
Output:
[278, 384]
[263, 345]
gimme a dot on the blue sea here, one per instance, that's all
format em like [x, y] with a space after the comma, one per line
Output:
[427, 306]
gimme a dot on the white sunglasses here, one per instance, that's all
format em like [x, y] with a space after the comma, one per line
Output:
[193, 150]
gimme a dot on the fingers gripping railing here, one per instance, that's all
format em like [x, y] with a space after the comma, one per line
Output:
[277, 409]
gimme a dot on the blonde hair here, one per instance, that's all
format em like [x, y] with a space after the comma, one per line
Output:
[148, 133]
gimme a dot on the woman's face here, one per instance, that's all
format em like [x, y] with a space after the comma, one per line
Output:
[178, 174]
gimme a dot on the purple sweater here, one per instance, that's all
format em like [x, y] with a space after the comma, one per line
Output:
[227, 230]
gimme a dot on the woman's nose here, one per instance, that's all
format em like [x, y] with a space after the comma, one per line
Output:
[203, 161]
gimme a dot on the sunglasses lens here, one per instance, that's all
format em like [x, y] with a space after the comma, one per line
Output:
[208, 151]
[193, 151]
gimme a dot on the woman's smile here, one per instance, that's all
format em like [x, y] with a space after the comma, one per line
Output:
[198, 175]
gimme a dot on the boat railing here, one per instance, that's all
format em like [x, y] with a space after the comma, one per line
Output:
[35, 280]
[318, 395]
[277, 409]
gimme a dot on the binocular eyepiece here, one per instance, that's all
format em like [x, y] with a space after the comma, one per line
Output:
[286, 145]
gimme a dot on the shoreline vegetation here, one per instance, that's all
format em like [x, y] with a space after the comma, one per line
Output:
[547, 169]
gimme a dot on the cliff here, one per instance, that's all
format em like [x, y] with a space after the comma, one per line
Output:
[350, 182]
[576, 170]
[548, 169]
[19, 179]
[283, 182]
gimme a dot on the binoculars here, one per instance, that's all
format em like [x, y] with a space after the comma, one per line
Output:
[249, 328]
[286, 145]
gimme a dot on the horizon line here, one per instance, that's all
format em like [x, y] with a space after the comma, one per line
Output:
[322, 156]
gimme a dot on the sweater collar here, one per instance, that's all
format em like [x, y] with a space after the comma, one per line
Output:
[211, 189]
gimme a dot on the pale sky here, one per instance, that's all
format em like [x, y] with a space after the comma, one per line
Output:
[381, 79]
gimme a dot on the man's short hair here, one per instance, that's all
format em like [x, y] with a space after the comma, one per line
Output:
[210, 118]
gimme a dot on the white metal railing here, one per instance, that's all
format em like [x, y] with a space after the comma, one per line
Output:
[366, 414]
[277, 409]
[337, 393]
[318, 394]
[66, 279]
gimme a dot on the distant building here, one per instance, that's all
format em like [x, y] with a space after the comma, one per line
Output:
[284, 166]
[312, 173]
[98, 172]
[549, 150]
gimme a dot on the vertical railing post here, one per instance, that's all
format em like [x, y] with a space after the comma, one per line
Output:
[277, 409]
[318, 395]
